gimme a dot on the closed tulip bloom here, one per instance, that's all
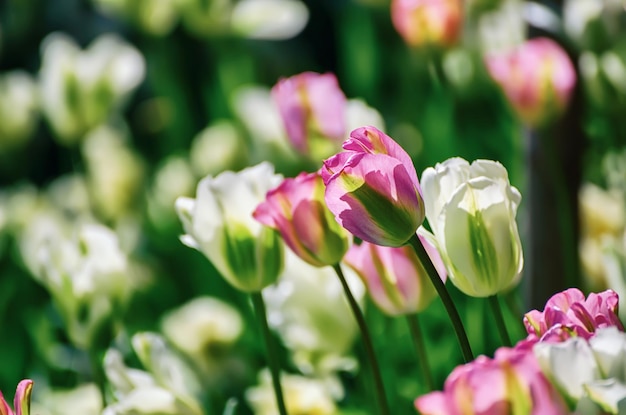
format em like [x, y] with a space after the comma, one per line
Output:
[21, 402]
[373, 190]
[395, 278]
[538, 79]
[428, 22]
[570, 313]
[311, 105]
[219, 223]
[471, 210]
[510, 383]
[296, 208]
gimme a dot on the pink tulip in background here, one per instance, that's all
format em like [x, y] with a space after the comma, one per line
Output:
[311, 104]
[428, 22]
[297, 210]
[510, 383]
[21, 403]
[373, 190]
[570, 312]
[538, 79]
[395, 278]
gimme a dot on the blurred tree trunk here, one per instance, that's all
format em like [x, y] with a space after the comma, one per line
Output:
[554, 162]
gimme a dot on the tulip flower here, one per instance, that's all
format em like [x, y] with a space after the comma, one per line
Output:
[471, 210]
[510, 383]
[538, 79]
[21, 403]
[373, 190]
[297, 210]
[569, 312]
[219, 224]
[311, 106]
[395, 278]
[428, 22]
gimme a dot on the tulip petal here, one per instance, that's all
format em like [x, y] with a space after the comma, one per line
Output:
[22, 397]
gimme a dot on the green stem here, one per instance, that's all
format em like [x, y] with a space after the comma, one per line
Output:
[497, 314]
[272, 357]
[97, 371]
[367, 342]
[416, 332]
[466, 349]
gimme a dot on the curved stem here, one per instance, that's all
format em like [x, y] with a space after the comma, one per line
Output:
[416, 332]
[466, 349]
[367, 342]
[497, 314]
[272, 357]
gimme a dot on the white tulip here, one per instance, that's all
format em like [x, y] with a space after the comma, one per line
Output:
[570, 365]
[471, 210]
[269, 19]
[219, 223]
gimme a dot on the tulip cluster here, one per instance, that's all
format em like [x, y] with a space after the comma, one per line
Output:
[571, 361]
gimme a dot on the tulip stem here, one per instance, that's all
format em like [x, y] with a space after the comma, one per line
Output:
[497, 314]
[367, 342]
[272, 357]
[457, 323]
[416, 332]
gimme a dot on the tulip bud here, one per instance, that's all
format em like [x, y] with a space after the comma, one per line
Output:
[471, 210]
[428, 22]
[538, 79]
[297, 210]
[219, 224]
[395, 278]
[313, 108]
[21, 402]
[373, 190]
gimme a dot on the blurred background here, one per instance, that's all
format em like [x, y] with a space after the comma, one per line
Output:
[111, 109]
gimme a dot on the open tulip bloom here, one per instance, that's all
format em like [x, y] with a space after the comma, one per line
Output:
[21, 403]
[219, 223]
[373, 190]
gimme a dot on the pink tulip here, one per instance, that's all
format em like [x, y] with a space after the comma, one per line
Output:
[569, 313]
[21, 403]
[373, 190]
[395, 278]
[510, 383]
[297, 210]
[538, 79]
[311, 105]
[428, 22]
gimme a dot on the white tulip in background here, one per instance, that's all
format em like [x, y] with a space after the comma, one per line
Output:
[81, 89]
[269, 19]
[302, 396]
[217, 148]
[172, 179]
[114, 172]
[205, 330]
[84, 399]
[87, 277]
[471, 210]
[18, 109]
[168, 387]
[308, 309]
